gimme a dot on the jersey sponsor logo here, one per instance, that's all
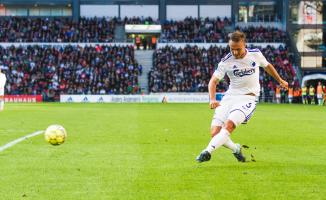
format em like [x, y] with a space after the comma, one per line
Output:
[243, 72]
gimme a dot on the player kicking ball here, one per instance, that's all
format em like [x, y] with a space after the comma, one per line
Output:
[241, 65]
[2, 89]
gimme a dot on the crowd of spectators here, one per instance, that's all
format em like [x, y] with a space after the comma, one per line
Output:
[263, 34]
[215, 31]
[195, 30]
[189, 69]
[282, 59]
[24, 29]
[64, 29]
[54, 70]
[184, 69]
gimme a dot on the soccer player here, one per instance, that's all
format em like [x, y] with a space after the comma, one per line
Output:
[2, 89]
[241, 65]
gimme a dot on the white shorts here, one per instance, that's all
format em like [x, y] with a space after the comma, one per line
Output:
[319, 96]
[237, 108]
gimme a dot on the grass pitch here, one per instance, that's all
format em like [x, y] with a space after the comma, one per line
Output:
[147, 151]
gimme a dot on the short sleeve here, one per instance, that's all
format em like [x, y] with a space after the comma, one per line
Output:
[262, 60]
[219, 73]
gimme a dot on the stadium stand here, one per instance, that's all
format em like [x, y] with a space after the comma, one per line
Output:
[175, 69]
[195, 30]
[215, 31]
[263, 34]
[50, 70]
[24, 29]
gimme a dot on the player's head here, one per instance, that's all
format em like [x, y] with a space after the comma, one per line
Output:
[237, 43]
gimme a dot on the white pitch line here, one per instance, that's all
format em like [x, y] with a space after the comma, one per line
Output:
[12, 143]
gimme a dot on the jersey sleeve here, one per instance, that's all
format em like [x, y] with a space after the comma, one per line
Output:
[262, 60]
[219, 73]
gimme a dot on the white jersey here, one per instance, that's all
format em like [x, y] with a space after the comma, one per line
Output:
[3, 80]
[243, 73]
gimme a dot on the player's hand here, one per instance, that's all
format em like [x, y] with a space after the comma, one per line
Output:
[284, 84]
[214, 104]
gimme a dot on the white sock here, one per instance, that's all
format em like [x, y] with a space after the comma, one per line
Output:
[231, 145]
[218, 140]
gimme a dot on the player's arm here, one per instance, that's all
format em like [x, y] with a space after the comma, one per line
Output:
[212, 92]
[272, 71]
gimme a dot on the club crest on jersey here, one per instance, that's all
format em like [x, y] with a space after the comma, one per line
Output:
[234, 66]
[253, 64]
[243, 72]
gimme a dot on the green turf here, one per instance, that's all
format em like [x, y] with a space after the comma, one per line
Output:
[147, 151]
